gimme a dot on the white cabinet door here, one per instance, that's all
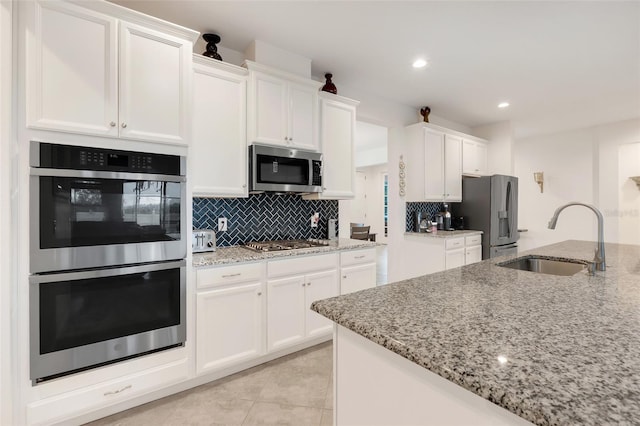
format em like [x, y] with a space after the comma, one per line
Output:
[472, 255]
[453, 168]
[319, 286]
[434, 173]
[454, 258]
[268, 106]
[285, 312]
[303, 113]
[337, 132]
[155, 69]
[355, 278]
[218, 158]
[229, 326]
[72, 69]
[474, 158]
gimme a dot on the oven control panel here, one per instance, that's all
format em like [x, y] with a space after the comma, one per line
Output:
[86, 158]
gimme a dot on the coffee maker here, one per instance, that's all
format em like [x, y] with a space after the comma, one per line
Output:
[421, 222]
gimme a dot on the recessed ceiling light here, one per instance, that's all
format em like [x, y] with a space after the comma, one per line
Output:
[503, 104]
[419, 63]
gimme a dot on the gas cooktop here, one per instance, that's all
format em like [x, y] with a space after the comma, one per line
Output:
[284, 245]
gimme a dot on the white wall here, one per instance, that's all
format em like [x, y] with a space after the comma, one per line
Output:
[6, 241]
[586, 165]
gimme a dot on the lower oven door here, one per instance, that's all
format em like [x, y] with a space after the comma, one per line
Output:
[85, 319]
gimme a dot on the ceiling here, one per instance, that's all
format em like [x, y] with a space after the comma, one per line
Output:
[561, 65]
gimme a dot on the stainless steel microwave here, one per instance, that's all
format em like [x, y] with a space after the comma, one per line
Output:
[284, 169]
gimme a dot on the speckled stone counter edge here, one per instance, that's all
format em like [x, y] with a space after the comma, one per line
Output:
[444, 234]
[240, 254]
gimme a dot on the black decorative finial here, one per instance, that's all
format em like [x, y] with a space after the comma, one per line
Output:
[424, 112]
[329, 86]
[212, 49]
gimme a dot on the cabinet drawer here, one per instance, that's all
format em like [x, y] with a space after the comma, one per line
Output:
[301, 265]
[473, 240]
[454, 243]
[84, 400]
[229, 274]
[355, 257]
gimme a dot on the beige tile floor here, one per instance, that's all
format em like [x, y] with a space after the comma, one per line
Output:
[293, 390]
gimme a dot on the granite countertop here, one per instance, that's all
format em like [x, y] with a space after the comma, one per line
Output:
[445, 234]
[551, 349]
[238, 254]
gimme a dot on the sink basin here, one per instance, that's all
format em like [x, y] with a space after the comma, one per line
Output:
[545, 265]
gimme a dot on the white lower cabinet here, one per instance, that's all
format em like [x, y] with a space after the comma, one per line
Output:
[462, 251]
[289, 317]
[229, 326]
[358, 270]
[230, 311]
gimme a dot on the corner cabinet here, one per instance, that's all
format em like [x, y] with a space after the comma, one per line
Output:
[218, 159]
[433, 164]
[89, 72]
[337, 136]
[283, 108]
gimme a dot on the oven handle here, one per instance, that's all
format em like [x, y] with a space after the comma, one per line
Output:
[104, 175]
[104, 272]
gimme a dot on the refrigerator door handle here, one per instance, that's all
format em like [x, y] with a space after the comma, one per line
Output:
[509, 210]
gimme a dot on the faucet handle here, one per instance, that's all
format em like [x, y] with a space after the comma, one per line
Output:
[591, 267]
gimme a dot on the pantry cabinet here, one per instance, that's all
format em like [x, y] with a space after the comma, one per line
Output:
[337, 138]
[474, 157]
[218, 160]
[433, 164]
[89, 72]
[282, 108]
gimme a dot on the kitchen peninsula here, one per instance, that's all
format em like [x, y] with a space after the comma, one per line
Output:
[546, 349]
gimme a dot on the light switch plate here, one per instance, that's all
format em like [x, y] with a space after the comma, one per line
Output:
[222, 224]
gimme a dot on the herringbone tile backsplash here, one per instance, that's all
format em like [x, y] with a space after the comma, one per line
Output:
[263, 217]
[412, 208]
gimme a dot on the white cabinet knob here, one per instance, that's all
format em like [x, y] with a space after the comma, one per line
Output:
[124, 125]
[112, 124]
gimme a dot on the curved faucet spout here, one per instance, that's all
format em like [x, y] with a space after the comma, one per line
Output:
[600, 256]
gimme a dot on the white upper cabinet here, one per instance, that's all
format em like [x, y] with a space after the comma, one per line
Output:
[337, 134]
[89, 72]
[474, 157]
[433, 164]
[283, 108]
[218, 160]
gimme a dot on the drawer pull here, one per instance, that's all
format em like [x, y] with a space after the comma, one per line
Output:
[344, 276]
[232, 275]
[117, 391]
[359, 257]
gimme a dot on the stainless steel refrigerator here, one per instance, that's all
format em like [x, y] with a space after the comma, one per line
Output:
[490, 204]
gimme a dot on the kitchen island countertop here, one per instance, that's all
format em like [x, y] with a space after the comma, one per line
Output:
[239, 254]
[551, 349]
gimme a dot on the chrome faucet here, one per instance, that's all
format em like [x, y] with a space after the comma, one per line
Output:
[599, 259]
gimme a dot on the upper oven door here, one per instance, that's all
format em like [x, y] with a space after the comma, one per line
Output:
[85, 219]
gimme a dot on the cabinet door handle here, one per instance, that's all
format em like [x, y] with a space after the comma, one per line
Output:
[308, 284]
[359, 257]
[124, 125]
[112, 124]
[344, 276]
[232, 275]
[117, 391]
[259, 293]
[244, 186]
[303, 284]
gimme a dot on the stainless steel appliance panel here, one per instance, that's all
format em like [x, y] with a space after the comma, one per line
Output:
[490, 204]
[506, 250]
[284, 169]
[84, 319]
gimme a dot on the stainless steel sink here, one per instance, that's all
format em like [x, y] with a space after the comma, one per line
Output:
[545, 265]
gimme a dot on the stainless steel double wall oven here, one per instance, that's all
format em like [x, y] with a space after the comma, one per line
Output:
[107, 249]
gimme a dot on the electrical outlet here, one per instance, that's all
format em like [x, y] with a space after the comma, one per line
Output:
[222, 224]
[315, 219]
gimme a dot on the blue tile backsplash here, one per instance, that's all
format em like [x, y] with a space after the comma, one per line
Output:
[412, 208]
[263, 217]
